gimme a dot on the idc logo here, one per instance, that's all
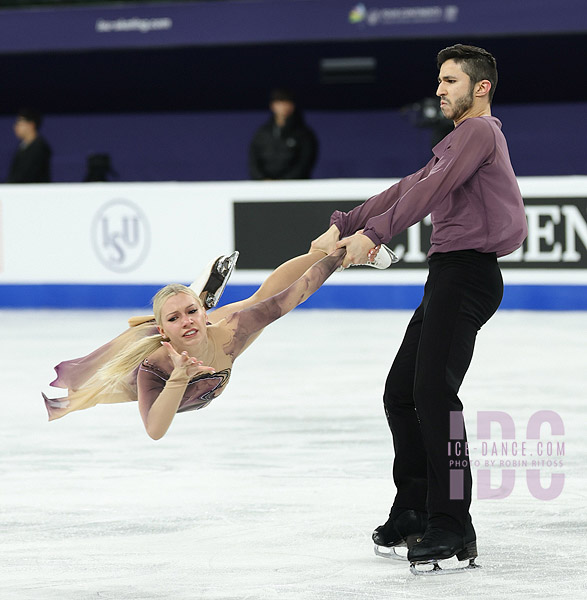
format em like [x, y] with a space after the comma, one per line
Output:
[121, 235]
[536, 456]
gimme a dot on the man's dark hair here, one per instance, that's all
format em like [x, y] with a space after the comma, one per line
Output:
[477, 63]
[30, 114]
[283, 94]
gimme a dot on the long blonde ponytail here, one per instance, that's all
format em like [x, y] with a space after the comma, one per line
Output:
[111, 381]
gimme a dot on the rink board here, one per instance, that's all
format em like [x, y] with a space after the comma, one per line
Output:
[113, 245]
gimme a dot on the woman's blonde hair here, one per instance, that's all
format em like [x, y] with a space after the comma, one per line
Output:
[115, 377]
[173, 289]
[128, 359]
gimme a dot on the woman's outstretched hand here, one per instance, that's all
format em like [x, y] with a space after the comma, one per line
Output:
[327, 241]
[191, 365]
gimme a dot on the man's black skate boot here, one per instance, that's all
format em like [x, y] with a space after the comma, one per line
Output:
[469, 552]
[440, 544]
[403, 528]
[437, 544]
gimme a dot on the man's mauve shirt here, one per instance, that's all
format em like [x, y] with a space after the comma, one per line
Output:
[469, 188]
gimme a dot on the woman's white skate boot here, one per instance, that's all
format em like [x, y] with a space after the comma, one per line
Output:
[214, 278]
[383, 259]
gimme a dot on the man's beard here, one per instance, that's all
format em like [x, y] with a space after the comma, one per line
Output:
[460, 106]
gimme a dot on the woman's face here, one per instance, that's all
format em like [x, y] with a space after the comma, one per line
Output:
[183, 321]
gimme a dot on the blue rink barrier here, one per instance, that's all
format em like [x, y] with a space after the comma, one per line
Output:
[364, 297]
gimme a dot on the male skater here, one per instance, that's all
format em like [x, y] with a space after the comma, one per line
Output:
[470, 190]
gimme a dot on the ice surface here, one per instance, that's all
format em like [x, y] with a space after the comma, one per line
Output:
[273, 490]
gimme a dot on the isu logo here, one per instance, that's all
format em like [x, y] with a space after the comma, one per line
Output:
[120, 235]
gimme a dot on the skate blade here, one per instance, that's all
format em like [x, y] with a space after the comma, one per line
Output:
[391, 553]
[227, 265]
[432, 568]
[225, 269]
[217, 273]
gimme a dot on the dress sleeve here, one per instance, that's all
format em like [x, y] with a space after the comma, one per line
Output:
[253, 319]
[149, 386]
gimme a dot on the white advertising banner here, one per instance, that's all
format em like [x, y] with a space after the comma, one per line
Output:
[102, 233]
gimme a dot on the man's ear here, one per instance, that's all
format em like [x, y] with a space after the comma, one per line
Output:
[482, 88]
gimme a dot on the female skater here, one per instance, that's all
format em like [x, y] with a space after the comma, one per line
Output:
[181, 359]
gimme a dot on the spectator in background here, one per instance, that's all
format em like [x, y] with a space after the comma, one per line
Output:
[99, 168]
[284, 147]
[32, 160]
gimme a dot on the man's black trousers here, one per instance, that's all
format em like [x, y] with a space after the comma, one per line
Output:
[463, 290]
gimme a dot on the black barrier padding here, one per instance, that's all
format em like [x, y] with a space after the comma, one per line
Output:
[269, 233]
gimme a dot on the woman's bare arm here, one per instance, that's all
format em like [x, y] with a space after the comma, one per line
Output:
[158, 412]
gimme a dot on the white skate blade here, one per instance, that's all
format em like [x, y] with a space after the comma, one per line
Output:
[392, 553]
[433, 568]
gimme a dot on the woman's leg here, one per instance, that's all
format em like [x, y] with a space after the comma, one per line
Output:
[286, 274]
[279, 280]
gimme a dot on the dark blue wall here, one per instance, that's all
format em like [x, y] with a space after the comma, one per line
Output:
[546, 139]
